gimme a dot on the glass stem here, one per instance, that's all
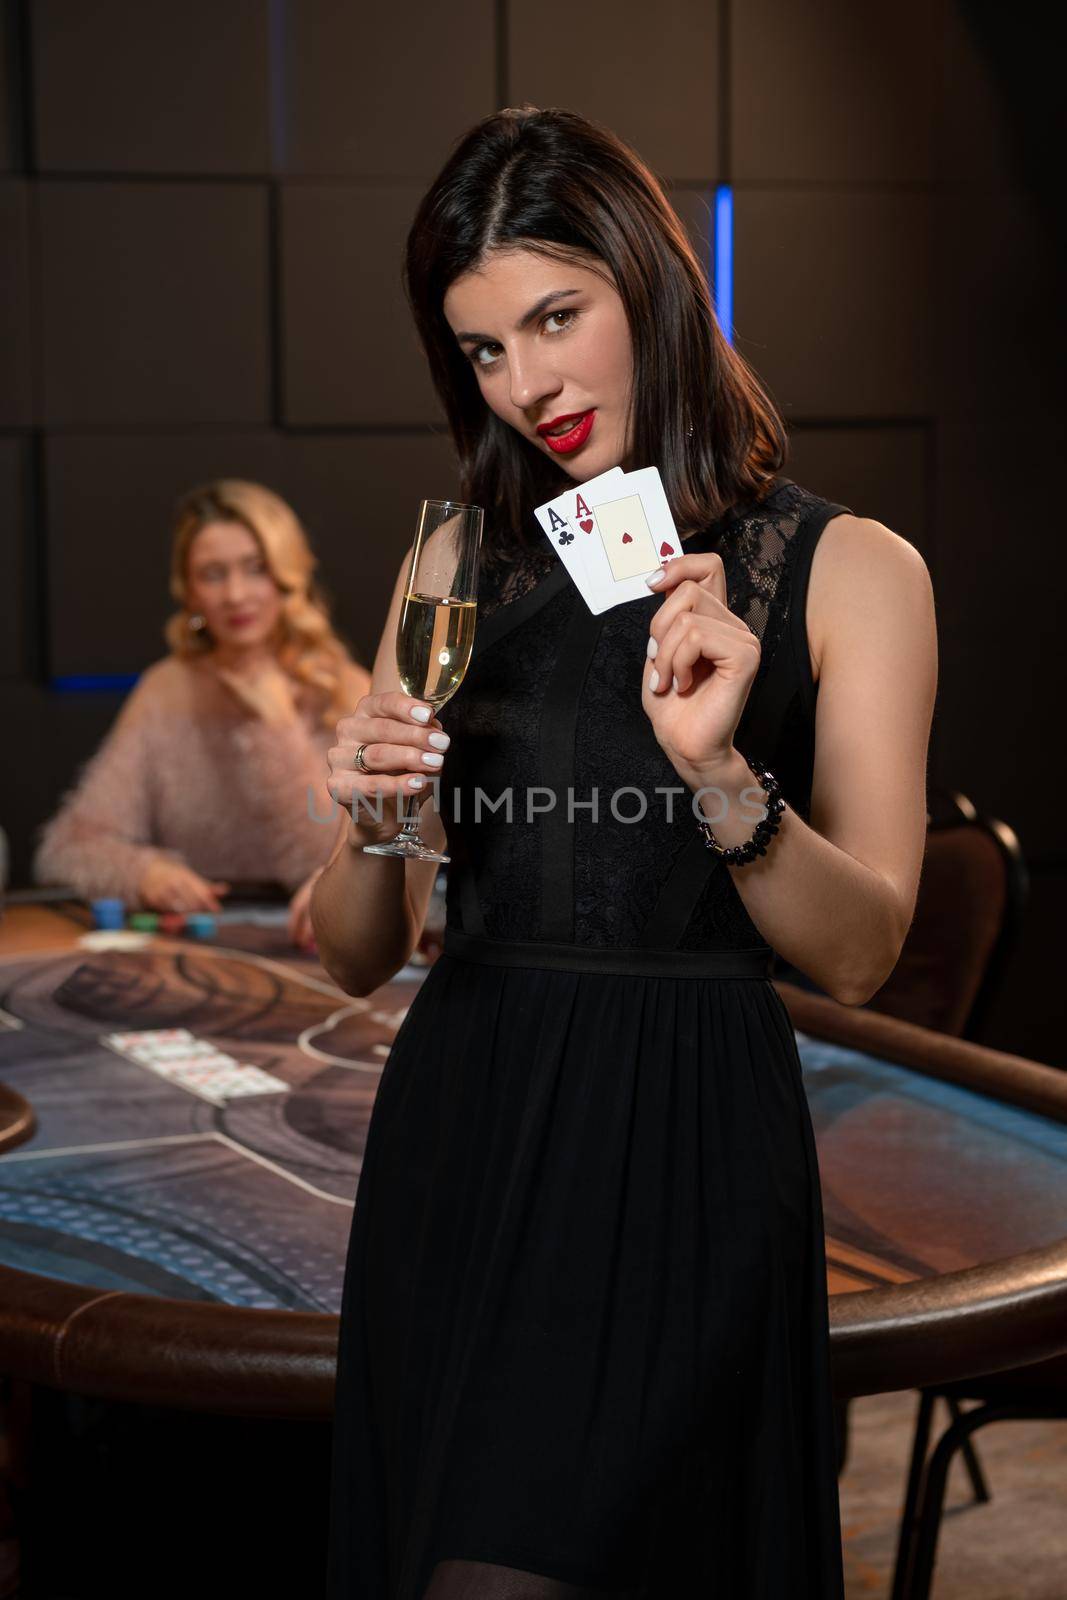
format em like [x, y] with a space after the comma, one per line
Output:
[409, 817]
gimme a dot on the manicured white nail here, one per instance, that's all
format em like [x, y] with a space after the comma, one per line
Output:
[417, 783]
[652, 647]
[432, 761]
[656, 577]
[653, 682]
[421, 713]
[674, 684]
[440, 741]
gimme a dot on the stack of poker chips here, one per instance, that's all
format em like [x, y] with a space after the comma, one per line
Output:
[111, 914]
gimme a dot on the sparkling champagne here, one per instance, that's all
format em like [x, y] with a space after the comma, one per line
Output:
[434, 641]
[435, 636]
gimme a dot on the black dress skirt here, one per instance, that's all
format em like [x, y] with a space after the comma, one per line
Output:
[584, 1343]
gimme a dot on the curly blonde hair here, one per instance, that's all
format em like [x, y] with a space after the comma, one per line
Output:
[309, 649]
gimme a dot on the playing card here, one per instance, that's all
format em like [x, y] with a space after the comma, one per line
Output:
[194, 1064]
[611, 532]
[632, 532]
[566, 523]
[625, 537]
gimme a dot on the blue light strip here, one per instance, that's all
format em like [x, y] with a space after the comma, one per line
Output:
[722, 259]
[105, 682]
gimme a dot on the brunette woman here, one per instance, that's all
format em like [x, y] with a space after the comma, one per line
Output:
[584, 1338]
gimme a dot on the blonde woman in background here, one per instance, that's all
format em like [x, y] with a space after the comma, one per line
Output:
[215, 769]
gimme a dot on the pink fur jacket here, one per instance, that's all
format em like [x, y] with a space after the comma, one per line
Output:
[187, 771]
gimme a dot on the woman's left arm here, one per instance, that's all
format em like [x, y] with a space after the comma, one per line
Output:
[835, 896]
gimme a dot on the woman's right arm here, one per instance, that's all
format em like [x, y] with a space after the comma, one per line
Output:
[368, 911]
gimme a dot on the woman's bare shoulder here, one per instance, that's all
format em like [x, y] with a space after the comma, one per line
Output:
[859, 570]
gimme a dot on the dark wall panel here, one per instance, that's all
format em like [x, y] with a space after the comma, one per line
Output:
[696, 207]
[15, 622]
[1000, 600]
[350, 352]
[359, 497]
[50, 736]
[879, 473]
[1001, 337]
[381, 91]
[154, 302]
[833, 304]
[16, 401]
[833, 92]
[652, 79]
[10, 91]
[110, 504]
[124, 86]
[974, 145]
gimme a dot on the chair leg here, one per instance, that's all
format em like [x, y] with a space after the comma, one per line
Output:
[932, 1498]
[970, 1458]
[841, 1434]
[906, 1533]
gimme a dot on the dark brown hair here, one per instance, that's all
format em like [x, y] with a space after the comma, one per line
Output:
[553, 182]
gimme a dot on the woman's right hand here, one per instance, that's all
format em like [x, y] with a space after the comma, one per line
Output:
[170, 886]
[397, 744]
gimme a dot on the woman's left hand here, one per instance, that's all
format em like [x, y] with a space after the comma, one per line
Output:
[712, 654]
[301, 932]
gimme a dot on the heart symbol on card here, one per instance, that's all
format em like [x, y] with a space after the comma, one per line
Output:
[586, 527]
[666, 549]
[627, 539]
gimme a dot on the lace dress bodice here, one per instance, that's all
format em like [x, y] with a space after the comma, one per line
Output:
[551, 707]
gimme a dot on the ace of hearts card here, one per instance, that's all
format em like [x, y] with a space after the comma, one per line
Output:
[610, 533]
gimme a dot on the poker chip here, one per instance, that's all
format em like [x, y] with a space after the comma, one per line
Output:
[108, 912]
[200, 925]
[147, 921]
[172, 922]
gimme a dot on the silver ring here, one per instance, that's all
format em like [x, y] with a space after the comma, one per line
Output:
[361, 765]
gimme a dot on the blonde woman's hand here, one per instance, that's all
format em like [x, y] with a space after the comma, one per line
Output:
[301, 932]
[404, 754]
[265, 689]
[713, 656]
[172, 886]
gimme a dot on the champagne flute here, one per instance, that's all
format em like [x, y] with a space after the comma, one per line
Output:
[435, 632]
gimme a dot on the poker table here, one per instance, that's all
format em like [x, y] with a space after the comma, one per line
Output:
[158, 1246]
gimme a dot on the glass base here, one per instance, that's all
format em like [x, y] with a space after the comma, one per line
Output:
[412, 849]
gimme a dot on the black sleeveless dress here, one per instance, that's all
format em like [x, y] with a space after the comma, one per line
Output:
[584, 1341]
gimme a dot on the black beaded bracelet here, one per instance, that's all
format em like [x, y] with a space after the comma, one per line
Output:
[736, 855]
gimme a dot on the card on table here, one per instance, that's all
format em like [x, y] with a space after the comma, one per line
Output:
[620, 528]
[194, 1064]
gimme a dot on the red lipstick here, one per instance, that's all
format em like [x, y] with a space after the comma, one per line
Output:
[574, 437]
